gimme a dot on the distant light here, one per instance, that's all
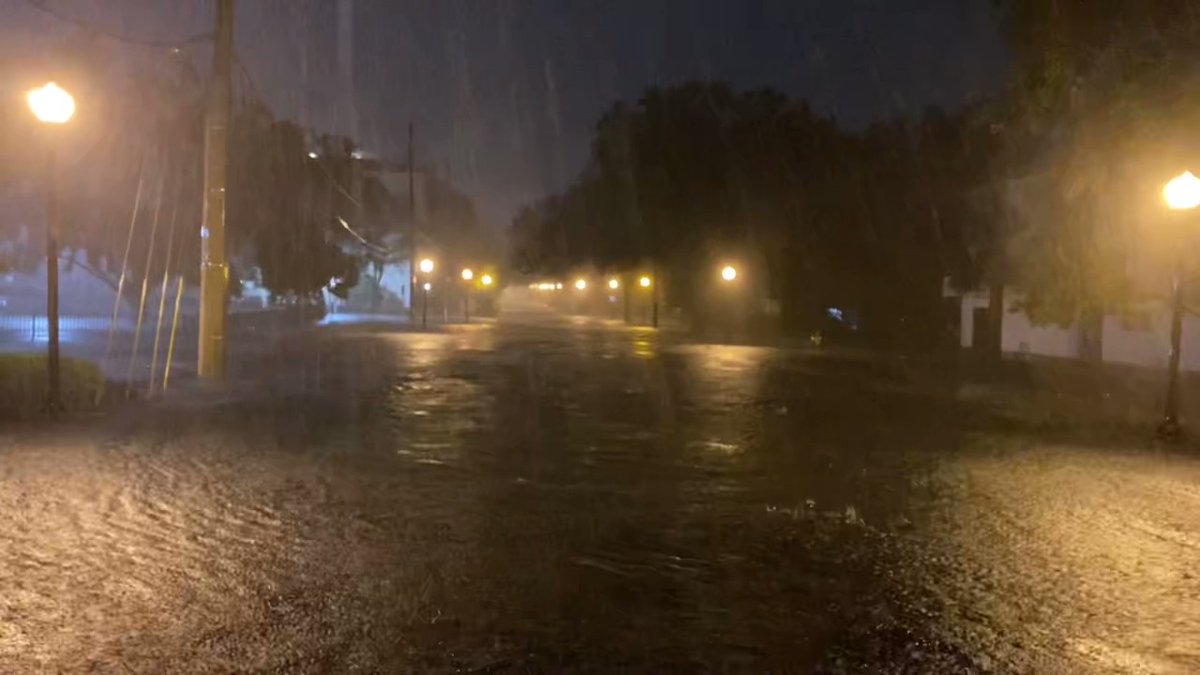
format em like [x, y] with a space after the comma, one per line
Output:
[580, 284]
[644, 282]
[426, 266]
[427, 285]
[836, 313]
[486, 280]
[51, 103]
[356, 154]
[728, 273]
[1183, 192]
[312, 155]
[614, 284]
[558, 286]
[467, 274]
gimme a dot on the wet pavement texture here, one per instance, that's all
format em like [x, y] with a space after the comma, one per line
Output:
[547, 494]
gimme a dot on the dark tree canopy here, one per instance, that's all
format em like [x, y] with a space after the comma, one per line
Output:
[1101, 114]
[692, 173]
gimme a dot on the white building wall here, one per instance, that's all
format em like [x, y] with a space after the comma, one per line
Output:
[1019, 336]
[1147, 346]
[1151, 346]
[397, 281]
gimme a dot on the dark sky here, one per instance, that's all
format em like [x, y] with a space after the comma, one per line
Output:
[504, 92]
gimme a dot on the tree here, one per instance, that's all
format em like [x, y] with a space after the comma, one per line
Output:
[1101, 112]
[285, 205]
[693, 173]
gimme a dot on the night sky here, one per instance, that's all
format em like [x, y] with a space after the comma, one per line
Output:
[504, 92]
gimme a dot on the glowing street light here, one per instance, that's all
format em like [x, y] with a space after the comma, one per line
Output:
[486, 280]
[426, 266]
[51, 103]
[1183, 192]
[614, 284]
[467, 275]
[580, 284]
[729, 273]
[644, 282]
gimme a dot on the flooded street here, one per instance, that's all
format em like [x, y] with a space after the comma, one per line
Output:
[549, 494]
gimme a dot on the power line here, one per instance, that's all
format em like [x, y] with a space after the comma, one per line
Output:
[41, 6]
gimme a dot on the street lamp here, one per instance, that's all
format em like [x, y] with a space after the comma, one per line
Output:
[467, 275]
[51, 104]
[614, 284]
[580, 284]
[486, 280]
[1182, 193]
[426, 267]
[646, 282]
[729, 273]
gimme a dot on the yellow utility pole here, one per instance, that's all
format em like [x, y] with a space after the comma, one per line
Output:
[214, 267]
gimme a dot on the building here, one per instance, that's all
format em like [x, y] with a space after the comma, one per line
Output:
[1145, 341]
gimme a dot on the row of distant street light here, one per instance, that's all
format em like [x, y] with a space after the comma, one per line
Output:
[425, 269]
[728, 273]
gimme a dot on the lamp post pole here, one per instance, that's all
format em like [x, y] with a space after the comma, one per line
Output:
[53, 362]
[1169, 427]
[52, 105]
[1182, 193]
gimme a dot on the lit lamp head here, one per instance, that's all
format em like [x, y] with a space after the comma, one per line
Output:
[467, 274]
[1182, 192]
[729, 273]
[51, 103]
[644, 282]
[425, 266]
[614, 284]
[486, 280]
[580, 284]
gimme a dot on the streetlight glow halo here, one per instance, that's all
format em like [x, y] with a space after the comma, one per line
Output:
[1182, 192]
[51, 103]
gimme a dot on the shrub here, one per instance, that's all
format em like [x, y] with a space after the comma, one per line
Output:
[23, 386]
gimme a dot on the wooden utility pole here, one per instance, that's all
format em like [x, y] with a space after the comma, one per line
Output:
[214, 266]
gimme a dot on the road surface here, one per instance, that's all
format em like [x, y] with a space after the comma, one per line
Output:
[549, 494]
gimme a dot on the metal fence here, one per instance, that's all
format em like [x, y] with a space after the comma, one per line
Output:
[35, 328]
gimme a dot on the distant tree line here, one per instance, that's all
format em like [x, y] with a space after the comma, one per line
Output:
[871, 220]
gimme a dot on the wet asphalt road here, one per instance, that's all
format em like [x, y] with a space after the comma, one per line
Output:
[547, 494]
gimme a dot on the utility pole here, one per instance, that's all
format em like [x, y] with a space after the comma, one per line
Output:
[214, 267]
[412, 229]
